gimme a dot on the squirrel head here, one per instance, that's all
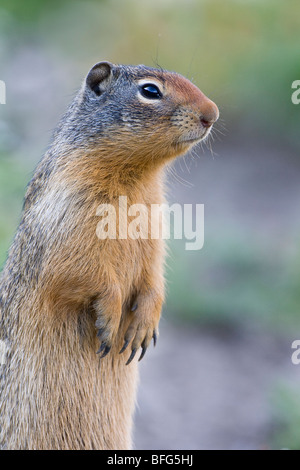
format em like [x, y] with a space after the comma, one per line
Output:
[141, 111]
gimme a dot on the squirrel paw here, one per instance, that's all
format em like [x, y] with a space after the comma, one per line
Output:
[141, 331]
[141, 325]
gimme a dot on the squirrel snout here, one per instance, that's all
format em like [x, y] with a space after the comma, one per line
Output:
[209, 114]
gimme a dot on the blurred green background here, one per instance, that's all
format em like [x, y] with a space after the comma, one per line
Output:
[243, 54]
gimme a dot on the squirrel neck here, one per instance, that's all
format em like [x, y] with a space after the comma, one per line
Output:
[112, 174]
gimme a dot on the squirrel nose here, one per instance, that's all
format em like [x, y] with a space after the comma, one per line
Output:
[209, 114]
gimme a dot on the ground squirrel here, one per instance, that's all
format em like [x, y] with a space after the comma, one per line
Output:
[66, 295]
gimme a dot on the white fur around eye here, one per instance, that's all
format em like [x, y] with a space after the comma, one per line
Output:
[149, 81]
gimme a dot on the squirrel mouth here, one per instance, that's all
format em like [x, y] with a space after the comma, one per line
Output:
[192, 139]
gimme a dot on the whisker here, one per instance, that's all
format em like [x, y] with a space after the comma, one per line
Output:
[178, 178]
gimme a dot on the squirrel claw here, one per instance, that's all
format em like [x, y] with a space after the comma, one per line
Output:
[105, 348]
[102, 347]
[133, 352]
[106, 351]
[154, 338]
[124, 346]
[144, 349]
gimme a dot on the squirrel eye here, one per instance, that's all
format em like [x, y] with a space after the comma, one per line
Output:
[151, 91]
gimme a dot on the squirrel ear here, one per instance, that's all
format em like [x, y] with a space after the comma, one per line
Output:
[99, 77]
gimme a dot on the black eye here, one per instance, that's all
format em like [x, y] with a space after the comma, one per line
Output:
[151, 91]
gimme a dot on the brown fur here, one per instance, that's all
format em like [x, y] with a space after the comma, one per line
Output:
[60, 280]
